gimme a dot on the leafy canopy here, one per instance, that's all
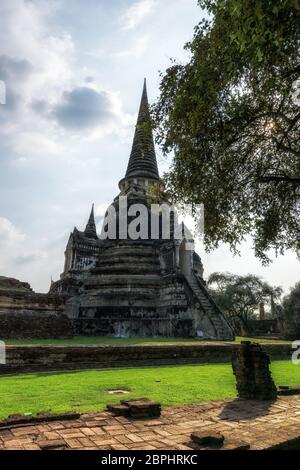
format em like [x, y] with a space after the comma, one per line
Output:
[239, 296]
[231, 115]
[291, 311]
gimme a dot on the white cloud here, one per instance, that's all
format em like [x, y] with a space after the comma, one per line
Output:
[136, 13]
[18, 255]
[135, 50]
[44, 106]
[35, 65]
[9, 234]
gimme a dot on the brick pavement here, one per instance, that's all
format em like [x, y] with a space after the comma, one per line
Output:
[263, 425]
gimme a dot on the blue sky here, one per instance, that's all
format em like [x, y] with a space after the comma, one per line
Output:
[73, 70]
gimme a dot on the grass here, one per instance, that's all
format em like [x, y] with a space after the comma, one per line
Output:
[88, 390]
[238, 339]
[94, 340]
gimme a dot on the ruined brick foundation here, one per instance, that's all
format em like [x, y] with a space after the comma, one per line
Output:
[253, 377]
[25, 314]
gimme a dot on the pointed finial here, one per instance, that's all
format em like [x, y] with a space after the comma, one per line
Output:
[145, 93]
[142, 162]
[90, 230]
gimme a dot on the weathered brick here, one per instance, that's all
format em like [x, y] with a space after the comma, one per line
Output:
[52, 444]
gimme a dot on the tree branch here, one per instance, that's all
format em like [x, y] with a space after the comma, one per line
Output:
[279, 179]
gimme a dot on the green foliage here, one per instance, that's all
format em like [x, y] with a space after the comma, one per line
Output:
[231, 119]
[258, 25]
[291, 312]
[88, 390]
[238, 296]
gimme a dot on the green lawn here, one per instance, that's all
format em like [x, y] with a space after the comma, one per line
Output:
[88, 391]
[238, 339]
[85, 340]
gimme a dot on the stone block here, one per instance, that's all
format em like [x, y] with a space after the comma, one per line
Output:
[136, 408]
[286, 390]
[52, 445]
[143, 408]
[207, 438]
[118, 410]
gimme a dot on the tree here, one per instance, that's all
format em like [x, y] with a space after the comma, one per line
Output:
[231, 116]
[291, 312]
[238, 296]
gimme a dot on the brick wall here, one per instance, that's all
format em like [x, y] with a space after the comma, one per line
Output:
[32, 358]
[34, 324]
[26, 314]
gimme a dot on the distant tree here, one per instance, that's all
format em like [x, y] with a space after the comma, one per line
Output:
[238, 296]
[291, 312]
[231, 115]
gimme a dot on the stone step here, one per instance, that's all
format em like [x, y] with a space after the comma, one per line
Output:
[125, 293]
[123, 269]
[136, 250]
[128, 261]
[115, 280]
[128, 254]
[128, 258]
[211, 310]
[129, 250]
[120, 279]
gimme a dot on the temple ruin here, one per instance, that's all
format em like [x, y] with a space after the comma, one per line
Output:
[122, 287]
[26, 314]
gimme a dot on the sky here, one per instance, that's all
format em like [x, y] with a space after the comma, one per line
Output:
[73, 72]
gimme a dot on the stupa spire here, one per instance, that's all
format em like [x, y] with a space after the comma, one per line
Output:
[142, 161]
[90, 229]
